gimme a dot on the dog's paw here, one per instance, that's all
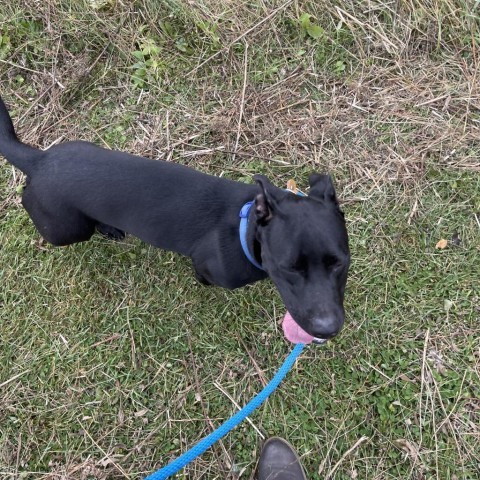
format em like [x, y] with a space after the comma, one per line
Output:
[110, 232]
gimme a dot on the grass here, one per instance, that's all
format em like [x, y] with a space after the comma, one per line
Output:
[113, 360]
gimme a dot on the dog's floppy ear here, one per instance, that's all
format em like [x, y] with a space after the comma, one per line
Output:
[265, 201]
[321, 188]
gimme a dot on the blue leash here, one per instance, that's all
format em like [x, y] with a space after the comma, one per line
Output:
[231, 423]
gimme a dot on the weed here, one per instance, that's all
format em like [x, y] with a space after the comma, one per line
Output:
[309, 28]
[147, 67]
[5, 45]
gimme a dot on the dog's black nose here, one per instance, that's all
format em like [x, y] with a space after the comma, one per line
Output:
[326, 327]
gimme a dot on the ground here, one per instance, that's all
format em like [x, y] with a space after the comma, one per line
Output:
[114, 360]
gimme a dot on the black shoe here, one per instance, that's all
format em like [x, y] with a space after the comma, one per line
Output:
[279, 461]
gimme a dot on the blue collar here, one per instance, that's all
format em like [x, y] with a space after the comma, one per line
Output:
[243, 233]
[244, 212]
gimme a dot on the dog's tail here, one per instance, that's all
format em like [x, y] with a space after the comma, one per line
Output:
[17, 153]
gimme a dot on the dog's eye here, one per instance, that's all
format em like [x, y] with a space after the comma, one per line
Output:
[331, 262]
[300, 264]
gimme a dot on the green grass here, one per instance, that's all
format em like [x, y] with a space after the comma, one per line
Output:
[113, 360]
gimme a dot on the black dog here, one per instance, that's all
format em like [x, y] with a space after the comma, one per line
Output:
[300, 242]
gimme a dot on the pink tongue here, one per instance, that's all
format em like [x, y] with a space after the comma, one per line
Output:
[293, 332]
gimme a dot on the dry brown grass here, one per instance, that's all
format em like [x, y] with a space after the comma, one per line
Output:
[409, 94]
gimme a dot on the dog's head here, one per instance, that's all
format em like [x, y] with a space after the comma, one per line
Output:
[304, 250]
